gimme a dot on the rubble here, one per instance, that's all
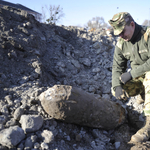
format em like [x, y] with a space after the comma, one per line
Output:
[10, 137]
[33, 58]
[31, 123]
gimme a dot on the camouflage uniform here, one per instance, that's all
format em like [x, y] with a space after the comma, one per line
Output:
[137, 50]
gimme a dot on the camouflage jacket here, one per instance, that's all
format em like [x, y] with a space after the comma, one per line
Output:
[137, 51]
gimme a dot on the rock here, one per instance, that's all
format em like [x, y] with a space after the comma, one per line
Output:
[8, 98]
[86, 61]
[44, 145]
[74, 105]
[30, 141]
[11, 136]
[47, 136]
[98, 134]
[78, 137]
[36, 146]
[76, 63]
[11, 122]
[96, 45]
[18, 112]
[31, 123]
[96, 70]
[20, 146]
[117, 145]
[2, 119]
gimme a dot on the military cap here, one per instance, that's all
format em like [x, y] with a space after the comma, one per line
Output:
[119, 21]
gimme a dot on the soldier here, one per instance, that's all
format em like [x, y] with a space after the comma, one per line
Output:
[133, 45]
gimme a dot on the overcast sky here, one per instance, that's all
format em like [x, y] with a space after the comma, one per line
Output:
[79, 12]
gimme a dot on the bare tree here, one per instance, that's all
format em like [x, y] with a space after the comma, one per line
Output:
[55, 14]
[43, 15]
[146, 23]
[96, 22]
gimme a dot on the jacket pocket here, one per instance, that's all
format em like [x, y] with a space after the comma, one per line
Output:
[144, 54]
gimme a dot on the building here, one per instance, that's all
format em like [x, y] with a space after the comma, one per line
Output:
[19, 6]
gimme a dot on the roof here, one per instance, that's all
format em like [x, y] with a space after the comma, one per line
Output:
[17, 6]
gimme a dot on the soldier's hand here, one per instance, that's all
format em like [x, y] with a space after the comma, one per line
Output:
[125, 77]
[120, 93]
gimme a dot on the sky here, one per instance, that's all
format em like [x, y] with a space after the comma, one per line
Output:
[79, 12]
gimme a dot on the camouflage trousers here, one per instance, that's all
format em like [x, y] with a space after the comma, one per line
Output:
[137, 86]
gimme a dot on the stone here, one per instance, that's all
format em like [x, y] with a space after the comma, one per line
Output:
[76, 63]
[31, 123]
[44, 145]
[117, 145]
[2, 119]
[96, 45]
[29, 142]
[18, 112]
[11, 136]
[47, 136]
[86, 61]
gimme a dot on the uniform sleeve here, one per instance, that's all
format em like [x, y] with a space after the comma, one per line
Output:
[141, 69]
[119, 66]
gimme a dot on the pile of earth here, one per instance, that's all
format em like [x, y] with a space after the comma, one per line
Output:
[36, 56]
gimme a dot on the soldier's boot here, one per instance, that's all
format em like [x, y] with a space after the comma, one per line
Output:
[143, 134]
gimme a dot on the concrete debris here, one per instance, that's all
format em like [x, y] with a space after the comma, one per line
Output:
[48, 136]
[11, 136]
[31, 123]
